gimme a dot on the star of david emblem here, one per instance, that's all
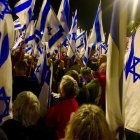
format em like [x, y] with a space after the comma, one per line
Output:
[49, 30]
[4, 8]
[132, 70]
[38, 68]
[4, 102]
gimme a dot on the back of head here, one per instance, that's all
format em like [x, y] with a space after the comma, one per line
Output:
[26, 108]
[85, 71]
[68, 87]
[74, 74]
[88, 123]
[21, 68]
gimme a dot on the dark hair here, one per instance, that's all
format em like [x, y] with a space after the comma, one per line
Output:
[21, 65]
[85, 71]
[74, 74]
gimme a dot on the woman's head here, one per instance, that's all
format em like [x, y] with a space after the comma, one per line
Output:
[68, 87]
[88, 123]
[26, 108]
[74, 74]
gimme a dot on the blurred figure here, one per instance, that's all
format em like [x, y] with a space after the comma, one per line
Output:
[102, 81]
[23, 83]
[92, 85]
[88, 123]
[102, 59]
[26, 112]
[58, 116]
[83, 96]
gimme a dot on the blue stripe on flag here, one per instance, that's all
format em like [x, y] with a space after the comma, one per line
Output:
[18, 25]
[22, 6]
[80, 35]
[57, 36]
[29, 38]
[44, 16]
[4, 50]
[66, 9]
[97, 25]
[80, 46]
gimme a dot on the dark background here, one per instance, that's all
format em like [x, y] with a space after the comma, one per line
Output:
[86, 11]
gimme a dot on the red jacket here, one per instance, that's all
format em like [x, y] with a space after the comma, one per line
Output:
[58, 116]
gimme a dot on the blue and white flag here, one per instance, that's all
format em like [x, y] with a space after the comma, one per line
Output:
[48, 28]
[115, 67]
[43, 74]
[5, 64]
[17, 24]
[24, 10]
[88, 52]
[45, 94]
[131, 84]
[73, 33]
[63, 15]
[40, 70]
[81, 44]
[97, 34]
[102, 48]
[29, 36]
[5, 13]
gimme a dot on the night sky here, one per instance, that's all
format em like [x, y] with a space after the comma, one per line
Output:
[86, 11]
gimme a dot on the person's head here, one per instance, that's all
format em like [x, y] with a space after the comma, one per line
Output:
[68, 87]
[88, 123]
[102, 59]
[102, 68]
[74, 74]
[26, 108]
[21, 68]
[86, 74]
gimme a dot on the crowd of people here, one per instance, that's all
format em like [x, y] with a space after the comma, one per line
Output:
[77, 101]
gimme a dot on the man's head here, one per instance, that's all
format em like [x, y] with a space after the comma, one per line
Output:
[86, 74]
[21, 68]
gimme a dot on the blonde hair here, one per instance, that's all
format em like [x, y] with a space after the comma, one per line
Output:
[26, 108]
[88, 123]
[69, 86]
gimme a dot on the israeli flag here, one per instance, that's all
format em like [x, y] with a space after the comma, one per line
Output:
[80, 40]
[24, 10]
[80, 44]
[43, 74]
[5, 13]
[97, 34]
[17, 24]
[63, 15]
[48, 28]
[88, 52]
[102, 48]
[45, 94]
[5, 64]
[73, 33]
[115, 67]
[40, 70]
[131, 83]
[29, 36]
